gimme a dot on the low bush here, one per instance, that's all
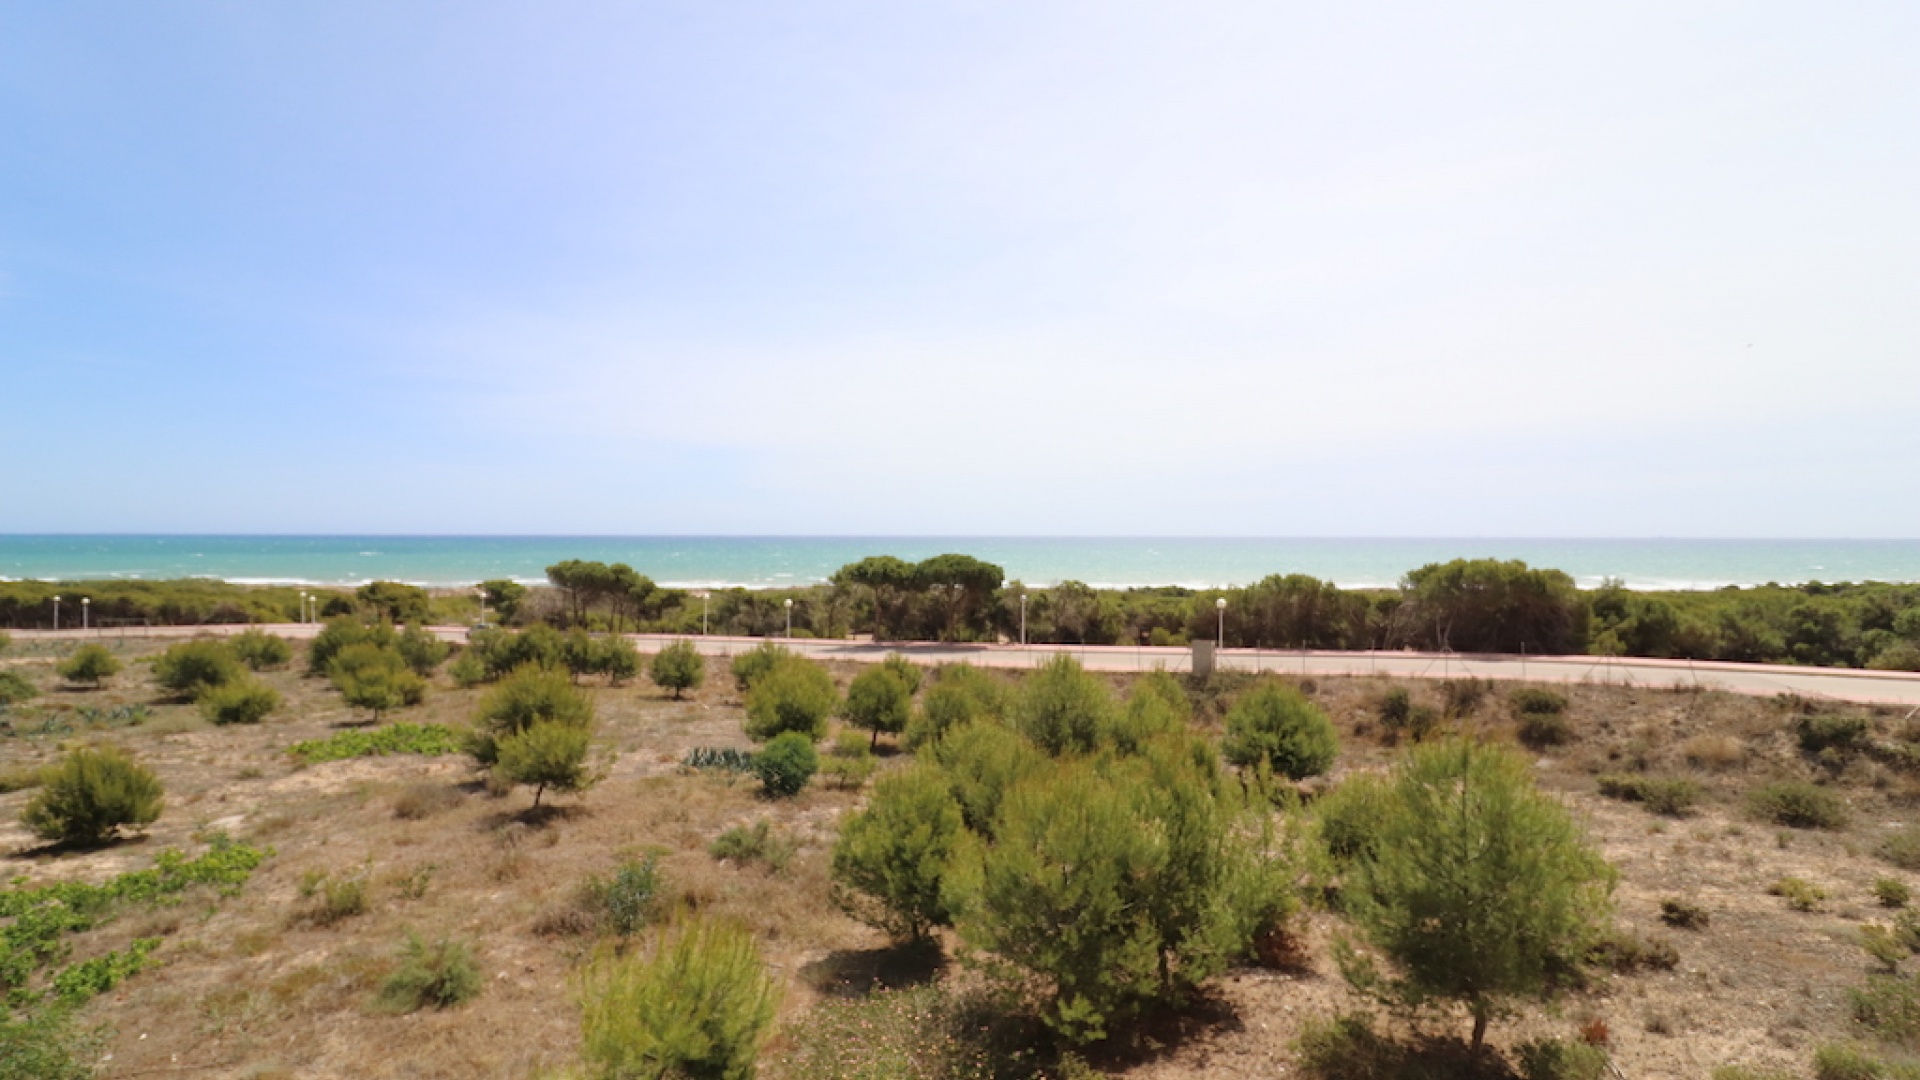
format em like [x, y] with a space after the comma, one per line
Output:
[421, 649]
[851, 762]
[625, 901]
[14, 688]
[757, 843]
[1540, 730]
[1624, 953]
[1751, 1072]
[1891, 892]
[531, 695]
[376, 678]
[1349, 818]
[192, 667]
[1902, 848]
[1560, 1059]
[1462, 696]
[439, 975]
[341, 633]
[1670, 796]
[21, 777]
[719, 759]
[1843, 733]
[1889, 1007]
[1799, 893]
[547, 755]
[244, 702]
[1277, 725]
[959, 694]
[891, 859]
[260, 650]
[1883, 945]
[1395, 707]
[91, 795]
[91, 664]
[749, 666]
[679, 667]
[1837, 1061]
[786, 763]
[332, 898]
[422, 799]
[1799, 805]
[698, 1006]
[794, 696]
[402, 738]
[1684, 914]
[1534, 700]
[1713, 751]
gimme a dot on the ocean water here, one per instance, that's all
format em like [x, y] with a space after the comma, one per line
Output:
[771, 561]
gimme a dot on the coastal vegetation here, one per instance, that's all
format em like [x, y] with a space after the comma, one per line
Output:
[1466, 605]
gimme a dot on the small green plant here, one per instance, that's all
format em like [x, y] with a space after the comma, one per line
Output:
[698, 1006]
[1891, 892]
[1462, 696]
[1347, 1048]
[1902, 848]
[1799, 893]
[1884, 946]
[1751, 1072]
[192, 667]
[547, 755]
[334, 897]
[749, 666]
[1561, 1059]
[260, 650]
[375, 678]
[679, 667]
[402, 738]
[91, 796]
[757, 843]
[77, 983]
[1277, 725]
[244, 702]
[1889, 1007]
[786, 764]
[1838, 1061]
[1798, 805]
[1683, 914]
[14, 688]
[1669, 796]
[1534, 699]
[880, 699]
[436, 975]
[719, 759]
[794, 696]
[92, 664]
[1841, 733]
[1624, 953]
[851, 762]
[625, 901]
[1539, 730]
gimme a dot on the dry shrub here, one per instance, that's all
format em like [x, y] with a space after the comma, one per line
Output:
[1713, 752]
[423, 799]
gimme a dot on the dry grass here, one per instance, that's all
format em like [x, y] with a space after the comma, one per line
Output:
[247, 987]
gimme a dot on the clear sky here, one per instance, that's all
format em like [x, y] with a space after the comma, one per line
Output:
[1628, 269]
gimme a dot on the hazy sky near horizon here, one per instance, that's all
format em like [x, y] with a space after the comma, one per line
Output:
[1391, 269]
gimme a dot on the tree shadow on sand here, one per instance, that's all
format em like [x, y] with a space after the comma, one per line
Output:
[855, 973]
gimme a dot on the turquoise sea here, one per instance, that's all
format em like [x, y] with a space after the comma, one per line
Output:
[773, 561]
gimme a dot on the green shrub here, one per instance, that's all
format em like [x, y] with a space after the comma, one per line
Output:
[549, 754]
[719, 759]
[1476, 928]
[246, 702]
[1064, 710]
[22, 777]
[625, 900]
[786, 763]
[91, 664]
[1535, 701]
[1799, 893]
[340, 633]
[1540, 730]
[749, 666]
[1837, 1061]
[438, 975]
[468, 670]
[698, 1006]
[1684, 914]
[1799, 805]
[756, 843]
[1902, 848]
[92, 795]
[421, 649]
[1883, 945]
[1277, 725]
[1349, 818]
[260, 650]
[43, 1044]
[14, 688]
[1842, 733]
[1395, 707]
[679, 667]
[403, 738]
[531, 695]
[1560, 1059]
[1462, 696]
[192, 667]
[1671, 796]
[891, 859]
[334, 897]
[879, 700]
[1889, 1006]
[1624, 953]
[982, 761]
[1347, 1048]
[960, 694]
[1891, 892]
[1751, 1072]
[795, 696]
[851, 762]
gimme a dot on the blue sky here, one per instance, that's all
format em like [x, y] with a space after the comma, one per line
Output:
[1254, 269]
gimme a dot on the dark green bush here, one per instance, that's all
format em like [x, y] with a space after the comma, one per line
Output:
[679, 667]
[698, 1006]
[879, 700]
[421, 649]
[1842, 733]
[794, 696]
[786, 763]
[194, 666]
[891, 859]
[1683, 914]
[91, 796]
[260, 650]
[1276, 724]
[245, 702]
[626, 900]
[1527, 700]
[1560, 1059]
[1799, 805]
[1539, 730]
[1889, 1006]
[530, 696]
[1462, 696]
[959, 695]
[1902, 848]
[1396, 705]
[550, 754]
[1891, 892]
[1672, 796]
[749, 666]
[1064, 710]
[1349, 818]
[438, 975]
[756, 843]
[375, 678]
[617, 659]
[338, 634]
[14, 688]
[91, 663]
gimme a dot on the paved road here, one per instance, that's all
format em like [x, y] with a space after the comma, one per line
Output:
[1848, 684]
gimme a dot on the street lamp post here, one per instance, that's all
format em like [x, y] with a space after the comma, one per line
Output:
[703, 613]
[86, 605]
[482, 593]
[789, 619]
[1220, 609]
[1023, 620]
[56, 614]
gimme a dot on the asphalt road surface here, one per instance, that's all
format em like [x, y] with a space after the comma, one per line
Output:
[1847, 684]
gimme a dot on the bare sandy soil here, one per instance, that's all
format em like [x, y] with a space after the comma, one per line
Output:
[250, 986]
